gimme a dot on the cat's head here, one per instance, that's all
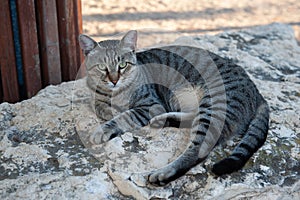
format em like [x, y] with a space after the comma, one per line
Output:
[110, 63]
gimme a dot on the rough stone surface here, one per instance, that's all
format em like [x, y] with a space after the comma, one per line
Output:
[44, 153]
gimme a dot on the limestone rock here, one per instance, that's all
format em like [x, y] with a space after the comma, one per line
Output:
[45, 153]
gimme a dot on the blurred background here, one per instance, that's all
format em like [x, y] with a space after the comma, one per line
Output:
[39, 38]
[170, 19]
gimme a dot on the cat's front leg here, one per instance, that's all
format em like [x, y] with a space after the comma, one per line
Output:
[127, 121]
[104, 111]
[105, 132]
[176, 119]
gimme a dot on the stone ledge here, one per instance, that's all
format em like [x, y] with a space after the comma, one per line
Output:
[42, 155]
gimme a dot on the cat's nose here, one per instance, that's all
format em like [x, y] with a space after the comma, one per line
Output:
[114, 78]
[114, 82]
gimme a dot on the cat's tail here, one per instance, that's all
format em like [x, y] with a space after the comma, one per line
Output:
[253, 139]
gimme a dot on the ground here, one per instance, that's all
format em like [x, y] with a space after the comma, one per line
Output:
[170, 19]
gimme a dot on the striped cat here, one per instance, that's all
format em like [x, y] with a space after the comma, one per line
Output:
[178, 86]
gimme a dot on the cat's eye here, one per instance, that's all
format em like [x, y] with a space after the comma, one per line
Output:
[122, 65]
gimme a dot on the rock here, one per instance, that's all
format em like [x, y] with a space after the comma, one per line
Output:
[45, 153]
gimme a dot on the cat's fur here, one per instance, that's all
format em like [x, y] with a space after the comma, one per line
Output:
[176, 86]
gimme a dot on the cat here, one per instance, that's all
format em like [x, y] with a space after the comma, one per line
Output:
[179, 86]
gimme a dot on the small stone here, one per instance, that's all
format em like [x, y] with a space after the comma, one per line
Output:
[127, 137]
[63, 102]
[139, 179]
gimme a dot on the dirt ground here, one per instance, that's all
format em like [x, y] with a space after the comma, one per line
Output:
[169, 19]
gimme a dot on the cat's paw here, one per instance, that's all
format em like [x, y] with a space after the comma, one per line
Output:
[162, 176]
[104, 133]
[98, 136]
[156, 123]
[159, 121]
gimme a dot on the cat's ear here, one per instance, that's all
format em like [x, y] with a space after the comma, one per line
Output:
[128, 42]
[86, 43]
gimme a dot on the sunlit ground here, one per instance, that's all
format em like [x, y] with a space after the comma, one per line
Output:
[170, 19]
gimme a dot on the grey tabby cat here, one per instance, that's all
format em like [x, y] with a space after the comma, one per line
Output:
[179, 86]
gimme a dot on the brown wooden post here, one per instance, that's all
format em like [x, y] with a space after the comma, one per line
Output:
[70, 26]
[78, 31]
[49, 41]
[1, 90]
[29, 46]
[8, 72]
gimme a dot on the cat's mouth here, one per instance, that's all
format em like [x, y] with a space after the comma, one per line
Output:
[114, 85]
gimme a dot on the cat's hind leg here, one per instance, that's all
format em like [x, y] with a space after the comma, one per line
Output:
[205, 131]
